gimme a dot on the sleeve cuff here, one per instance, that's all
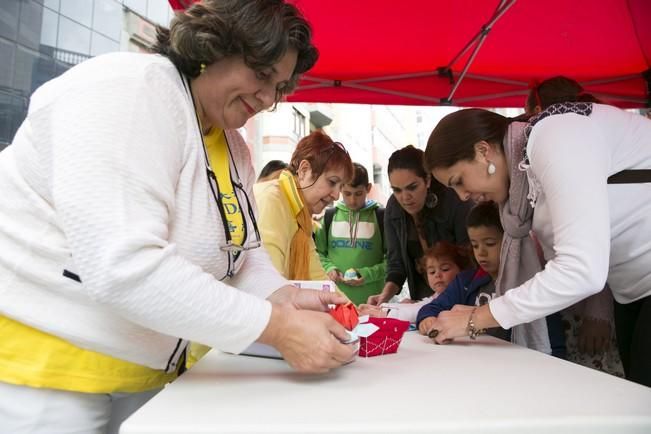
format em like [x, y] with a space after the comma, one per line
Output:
[502, 313]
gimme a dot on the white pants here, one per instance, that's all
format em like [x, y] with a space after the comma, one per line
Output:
[29, 410]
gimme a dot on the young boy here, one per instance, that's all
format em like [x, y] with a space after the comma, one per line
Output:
[477, 287]
[474, 287]
[350, 241]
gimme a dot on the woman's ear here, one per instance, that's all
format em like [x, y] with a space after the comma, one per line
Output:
[484, 151]
[304, 171]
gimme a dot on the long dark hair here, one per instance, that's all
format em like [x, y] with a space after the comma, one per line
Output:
[455, 136]
[411, 158]
[260, 31]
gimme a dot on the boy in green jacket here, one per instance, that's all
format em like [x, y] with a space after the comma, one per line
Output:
[350, 241]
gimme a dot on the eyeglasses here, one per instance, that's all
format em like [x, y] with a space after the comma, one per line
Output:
[340, 146]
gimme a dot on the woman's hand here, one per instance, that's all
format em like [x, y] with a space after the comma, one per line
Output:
[309, 341]
[426, 325]
[310, 299]
[390, 289]
[454, 323]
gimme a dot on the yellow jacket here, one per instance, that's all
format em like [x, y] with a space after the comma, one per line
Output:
[277, 224]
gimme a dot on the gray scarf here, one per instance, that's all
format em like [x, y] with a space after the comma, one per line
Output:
[519, 260]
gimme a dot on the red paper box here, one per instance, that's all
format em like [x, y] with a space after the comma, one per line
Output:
[386, 340]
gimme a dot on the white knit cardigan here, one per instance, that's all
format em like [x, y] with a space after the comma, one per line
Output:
[106, 179]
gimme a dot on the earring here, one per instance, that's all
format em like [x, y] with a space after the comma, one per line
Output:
[202, 68]
[491, 169]
[431, 200]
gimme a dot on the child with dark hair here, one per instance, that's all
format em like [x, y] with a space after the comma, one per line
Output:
[350, 240]
[473, 287]
[476, 287]
[439, 264]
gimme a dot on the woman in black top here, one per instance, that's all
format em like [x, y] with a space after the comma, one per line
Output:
[420, 212]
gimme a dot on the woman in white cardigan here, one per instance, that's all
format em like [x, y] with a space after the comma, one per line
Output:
[127, 222]
[592, 225]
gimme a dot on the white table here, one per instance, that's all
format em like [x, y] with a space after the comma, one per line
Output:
[486, 386]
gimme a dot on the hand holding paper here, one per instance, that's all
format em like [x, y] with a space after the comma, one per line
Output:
[309, 341]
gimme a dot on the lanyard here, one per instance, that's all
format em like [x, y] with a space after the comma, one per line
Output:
[232, 249]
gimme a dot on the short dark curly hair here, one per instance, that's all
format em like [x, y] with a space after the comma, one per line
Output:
[260, 31]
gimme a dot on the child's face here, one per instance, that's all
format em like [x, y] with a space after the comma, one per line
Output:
[440, 272]
[486, 243]
[355, 197]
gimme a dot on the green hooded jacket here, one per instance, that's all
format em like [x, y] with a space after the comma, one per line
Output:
[354, 241]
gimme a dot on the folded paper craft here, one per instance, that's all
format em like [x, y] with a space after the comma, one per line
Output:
[378, 336]
[346, 315]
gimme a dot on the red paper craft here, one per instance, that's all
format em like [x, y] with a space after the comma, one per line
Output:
[386, 340]
[346, 315]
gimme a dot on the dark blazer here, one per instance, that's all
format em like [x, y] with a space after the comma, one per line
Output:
[446, 221]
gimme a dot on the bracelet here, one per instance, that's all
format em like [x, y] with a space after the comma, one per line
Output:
[473, 332]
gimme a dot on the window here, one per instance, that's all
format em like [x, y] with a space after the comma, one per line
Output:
[299, 123]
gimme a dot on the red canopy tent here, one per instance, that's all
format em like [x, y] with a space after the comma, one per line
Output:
[482, 53]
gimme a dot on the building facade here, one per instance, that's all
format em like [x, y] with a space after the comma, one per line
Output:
[41, 39]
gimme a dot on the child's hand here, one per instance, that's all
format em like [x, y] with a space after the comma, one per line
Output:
[354, 282]
[426, 325]
[335, 275]
[371, 310]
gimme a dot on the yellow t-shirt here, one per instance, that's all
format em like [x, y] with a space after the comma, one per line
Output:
[33, 358]
[219, 161]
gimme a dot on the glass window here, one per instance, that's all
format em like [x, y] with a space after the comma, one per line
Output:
[49, 30]
[32, 70]
[52, 4]
[9, 19]
[13, 109]
[159, 11]
[107, 18]
[139, 6]
[29, 29]
[73, 37]
[24, 69]
[7, 53]
[101, 44]
[299, 123]
[79, 10]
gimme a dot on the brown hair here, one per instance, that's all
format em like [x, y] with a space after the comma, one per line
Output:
[323, 154]
[260, 31]
[455, 136]
[485, 214]
[360, 176]
[445, 249]
[556, 90]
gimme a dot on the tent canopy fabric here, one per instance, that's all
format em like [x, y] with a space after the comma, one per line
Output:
[412, 51]
[481, 53]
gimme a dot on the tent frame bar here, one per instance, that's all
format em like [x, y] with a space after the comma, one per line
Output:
[482, 34]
